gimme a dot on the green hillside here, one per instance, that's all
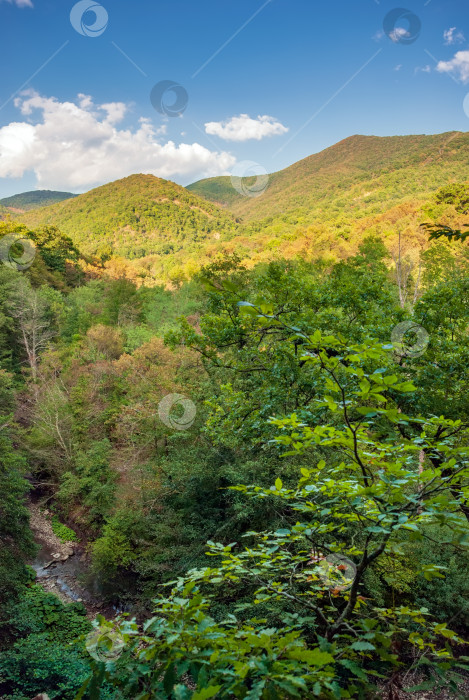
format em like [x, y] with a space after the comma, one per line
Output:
[326, 203]
[323, 205]
[218, 190]
[35, 199]
[137, 216]
[360, 175]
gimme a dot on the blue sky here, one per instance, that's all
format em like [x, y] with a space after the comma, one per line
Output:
[299, 76]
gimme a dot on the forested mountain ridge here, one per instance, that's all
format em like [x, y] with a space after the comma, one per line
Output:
[323, 205]
[136, 216]
[363, 169]
[25, 201]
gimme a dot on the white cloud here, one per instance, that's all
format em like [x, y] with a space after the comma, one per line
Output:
[423, 69]
[453, 36]
[458, 65]
[398, 33]
[398, 67]
[20, 3]
[243, 128]
[76, 146]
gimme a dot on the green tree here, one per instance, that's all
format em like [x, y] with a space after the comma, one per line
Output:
[16, 541]
[456, 194]
[56, 248]
[321, 636]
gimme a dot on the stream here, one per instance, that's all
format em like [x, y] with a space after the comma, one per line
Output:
[61, 567]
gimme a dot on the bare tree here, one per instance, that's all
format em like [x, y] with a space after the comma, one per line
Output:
[29, 310]
[52, 421]
[404, 269]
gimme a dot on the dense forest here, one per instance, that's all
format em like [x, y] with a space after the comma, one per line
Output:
[264, 464]
[140, 217]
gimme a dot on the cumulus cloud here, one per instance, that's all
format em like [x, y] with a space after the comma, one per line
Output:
[244, 128]
[458, 65]
[453, 36]
[79, 145]
[20, 3]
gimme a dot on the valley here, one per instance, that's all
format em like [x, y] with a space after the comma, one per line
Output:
[234, 350]
[253, 412]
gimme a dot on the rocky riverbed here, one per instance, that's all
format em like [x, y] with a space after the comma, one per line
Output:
[61, 567]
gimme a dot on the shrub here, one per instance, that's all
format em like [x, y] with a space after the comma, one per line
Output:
[64, 533]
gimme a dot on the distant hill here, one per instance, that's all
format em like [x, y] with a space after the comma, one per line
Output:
[137, 216]
[325, 204]
[358, 176]
[35, 199]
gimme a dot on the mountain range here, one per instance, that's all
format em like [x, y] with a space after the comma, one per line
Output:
[321, 205]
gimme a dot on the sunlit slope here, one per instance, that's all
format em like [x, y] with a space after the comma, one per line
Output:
[322, 206]
[358, 176]
[137, 216]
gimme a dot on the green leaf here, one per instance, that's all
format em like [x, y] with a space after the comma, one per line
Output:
[206, 693]
[354, 668]
[314, 657]
[368, 410]
[405, 387]
[169, 679]
[362, 646]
